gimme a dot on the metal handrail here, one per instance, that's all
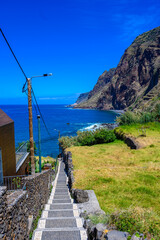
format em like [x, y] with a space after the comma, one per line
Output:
[21, 147]
[16, 184]
[21, 155]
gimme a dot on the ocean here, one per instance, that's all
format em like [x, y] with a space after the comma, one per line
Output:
[66, 120]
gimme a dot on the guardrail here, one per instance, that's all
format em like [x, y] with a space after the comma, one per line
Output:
[14, 182]
[21, 155]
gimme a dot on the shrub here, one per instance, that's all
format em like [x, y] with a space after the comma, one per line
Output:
[104, 136]
[88, 138]
[66, 142]
[85, 138]
[157, 112]
[137, 220]
[139, 117]
[128, 118]
[147, 117]
[88, 141]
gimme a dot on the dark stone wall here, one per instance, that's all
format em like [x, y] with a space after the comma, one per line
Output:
[67, 158]
[17, 216]
[3, 209]
[80, 196]
[38, 191]
[13, 215]
[129, 140]
[16, 206]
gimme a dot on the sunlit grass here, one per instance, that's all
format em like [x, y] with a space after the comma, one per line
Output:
[126, 182]
[123, 178]
[152, 131]
[120, 177]
[47, 159]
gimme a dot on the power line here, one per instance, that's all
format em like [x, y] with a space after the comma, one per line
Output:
[26, 82]
[41, 114]
[44, 140]
[13, 53]
[35, 107]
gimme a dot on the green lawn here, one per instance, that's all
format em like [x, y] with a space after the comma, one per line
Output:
[123, 179]
[152, 131]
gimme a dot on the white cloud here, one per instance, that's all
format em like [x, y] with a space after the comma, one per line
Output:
[134, 24]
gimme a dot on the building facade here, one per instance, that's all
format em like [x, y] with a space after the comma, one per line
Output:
[11, 163]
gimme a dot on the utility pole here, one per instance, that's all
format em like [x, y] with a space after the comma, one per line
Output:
[31, 127]
[28, 81]
[30, 118]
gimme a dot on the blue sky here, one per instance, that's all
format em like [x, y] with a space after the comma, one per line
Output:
[76, 40]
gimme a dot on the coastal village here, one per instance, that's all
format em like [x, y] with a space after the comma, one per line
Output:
[105, 180]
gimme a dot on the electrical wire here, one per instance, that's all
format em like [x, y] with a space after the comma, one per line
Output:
[41, 114]
[35, 107]
[23, 90]
[13, 54]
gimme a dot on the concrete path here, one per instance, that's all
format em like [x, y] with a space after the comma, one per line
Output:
[60, 218]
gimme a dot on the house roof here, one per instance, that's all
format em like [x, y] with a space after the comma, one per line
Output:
[4, 118]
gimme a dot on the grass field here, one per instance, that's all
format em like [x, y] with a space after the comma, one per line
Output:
[124, 179]
[152, 131]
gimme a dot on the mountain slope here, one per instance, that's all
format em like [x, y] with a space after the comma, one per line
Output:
[94, 95]
[82, 98]
[136, 80]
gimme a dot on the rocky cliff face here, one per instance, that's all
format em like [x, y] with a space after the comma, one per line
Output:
[136, 81]
[102, 81]
[92, 97]
[82, 98]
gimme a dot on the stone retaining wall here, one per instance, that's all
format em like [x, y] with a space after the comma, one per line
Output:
[17, 216]
[17, 206]
[3, 207]
[129, 140]
[38, 190]
[67, 158]
[80, 196]
[13, 215]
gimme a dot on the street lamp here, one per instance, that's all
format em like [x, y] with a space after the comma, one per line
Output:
[31, 123]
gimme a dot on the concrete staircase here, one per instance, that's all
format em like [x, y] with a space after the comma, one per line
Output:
[60, 218]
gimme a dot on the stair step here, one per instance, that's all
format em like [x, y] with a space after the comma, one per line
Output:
[62, 186]
[61, 201]
[58, 213]
[60, 218]
[61, 191]
[61, 181]
[58, 235]
[61, 196]
[59, 222]
[60, 206]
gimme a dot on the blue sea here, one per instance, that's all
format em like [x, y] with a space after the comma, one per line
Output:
[66, 120]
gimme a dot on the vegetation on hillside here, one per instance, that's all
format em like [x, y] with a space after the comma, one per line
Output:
[88, 138]
[139, 117]
[44, 160]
